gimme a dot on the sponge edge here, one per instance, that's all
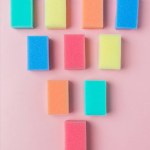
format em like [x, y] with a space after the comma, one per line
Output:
[92, 14]
[22, 13]
[75, 133]
[127, 14]
[74, 45]
[38, 53]
[110, 51]
[55, 14]
[58, 97]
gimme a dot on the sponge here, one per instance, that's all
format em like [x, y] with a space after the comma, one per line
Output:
[92, 14]
[74, 51]
[22, 13]
[75, 133]
[55, 14]
[95, 97]
[110, 51]
[58, 97]
[127, 14]
[38, 53]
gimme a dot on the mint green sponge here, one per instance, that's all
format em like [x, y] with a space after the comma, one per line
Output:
[22, 13]
[95, 97]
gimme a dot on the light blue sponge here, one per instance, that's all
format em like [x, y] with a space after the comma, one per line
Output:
[22, 13]
[95, 93]
[127, 14]
[38, 53]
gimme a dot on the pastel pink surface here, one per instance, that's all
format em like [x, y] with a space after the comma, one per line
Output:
[24, 122]
[74, 51]
[75, 135]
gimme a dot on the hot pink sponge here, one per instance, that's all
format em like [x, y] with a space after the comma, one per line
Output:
[74, 45]
[75, 135]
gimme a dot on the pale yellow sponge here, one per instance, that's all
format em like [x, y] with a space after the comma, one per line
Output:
[55, 14]
[110, 51]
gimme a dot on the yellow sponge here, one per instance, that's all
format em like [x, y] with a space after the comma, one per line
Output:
[55, 14]
[110, 51]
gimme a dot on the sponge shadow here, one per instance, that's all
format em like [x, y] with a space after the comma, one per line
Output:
[69, 13]
[51, 55]
[71, 97]
[87, 51]
[36, 11]
[123, 54]
[89, 137]
[105, 6]
[109, 102]
[141, 12]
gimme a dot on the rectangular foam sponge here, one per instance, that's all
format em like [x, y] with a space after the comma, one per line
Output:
[110, 51]
[75, 135]
[95, 93]
[38, 53]
[55, 14]
[22, 13]
[58, 97]
[92, 14]
[74, 46]
[127, 14]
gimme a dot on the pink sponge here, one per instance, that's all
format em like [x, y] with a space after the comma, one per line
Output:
[75, 135]
[74, 52]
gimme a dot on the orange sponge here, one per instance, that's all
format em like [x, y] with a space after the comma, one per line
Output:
[58, 97]
[92, 14]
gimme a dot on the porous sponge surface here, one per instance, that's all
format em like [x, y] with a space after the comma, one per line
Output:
[55, 14]
[127, 14]
[74, 51]
[92, 14]
[95, 97]
[22, 13]
[110, 51]
[58, 97]
[38, 52]
[75, 132]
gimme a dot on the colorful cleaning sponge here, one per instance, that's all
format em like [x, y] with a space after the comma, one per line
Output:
[75, 133]
[110, 51]
[38, 53]
[22, 13]
[58, 97]
[55, 14]
[92, 14]
[74, 46]
[95, 93]
[127, 14]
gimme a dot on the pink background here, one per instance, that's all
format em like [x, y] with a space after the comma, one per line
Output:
[25, 124]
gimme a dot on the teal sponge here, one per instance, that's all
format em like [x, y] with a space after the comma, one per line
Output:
[95, 97]
[22, 13]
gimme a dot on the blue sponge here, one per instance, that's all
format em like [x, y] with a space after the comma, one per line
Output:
[38, 53]
[127, 14]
